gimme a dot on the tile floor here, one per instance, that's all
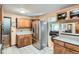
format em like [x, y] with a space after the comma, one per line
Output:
[27, 50]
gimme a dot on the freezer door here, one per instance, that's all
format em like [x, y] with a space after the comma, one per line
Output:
[36, 41]
[43, 35]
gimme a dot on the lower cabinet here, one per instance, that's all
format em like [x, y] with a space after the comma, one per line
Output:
[68, 51]
[65, 48]
[58, 49]
[23, 40]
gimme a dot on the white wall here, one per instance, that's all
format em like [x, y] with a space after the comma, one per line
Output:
[13, 28]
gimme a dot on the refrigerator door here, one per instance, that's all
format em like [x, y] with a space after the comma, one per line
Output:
[43, 34]
[36, 40]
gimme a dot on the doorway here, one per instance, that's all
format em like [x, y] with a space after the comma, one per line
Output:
[50, 21]
[6, 32]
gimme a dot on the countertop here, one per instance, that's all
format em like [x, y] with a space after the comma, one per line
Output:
[24, 32]
[69, 39]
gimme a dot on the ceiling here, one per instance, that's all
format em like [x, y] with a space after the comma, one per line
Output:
[32, 9]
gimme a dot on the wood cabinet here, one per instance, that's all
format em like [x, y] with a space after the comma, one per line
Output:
[59, 42]
[70, 14]
[58, 49]
[19, 41]
[69, 51]
[61, 47]
[23, 40]
[23, 23]
[1, 13]
[72, 47]
[77, 28]
[1, 17]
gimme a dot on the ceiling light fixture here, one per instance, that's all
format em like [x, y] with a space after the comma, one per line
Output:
[22, 10]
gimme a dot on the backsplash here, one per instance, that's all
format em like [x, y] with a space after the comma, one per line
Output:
[71, 37]
[22, 30]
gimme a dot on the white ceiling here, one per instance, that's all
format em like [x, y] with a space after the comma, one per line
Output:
[35, 9]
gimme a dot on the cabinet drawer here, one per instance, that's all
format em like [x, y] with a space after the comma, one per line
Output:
[72, 47]
[68, 51]
[59, 42]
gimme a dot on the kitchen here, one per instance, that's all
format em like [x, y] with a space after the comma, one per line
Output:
[53, 32]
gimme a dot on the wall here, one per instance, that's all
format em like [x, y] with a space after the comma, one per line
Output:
[13, 25]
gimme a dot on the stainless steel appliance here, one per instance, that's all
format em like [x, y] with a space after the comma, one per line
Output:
[39, 34]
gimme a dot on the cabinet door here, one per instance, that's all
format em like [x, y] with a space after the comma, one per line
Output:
[77, 28]
[19, 23]
[20, 41]
[58, 49]
[27, 23]
[1, 16]
[23, 23]
[27, 40]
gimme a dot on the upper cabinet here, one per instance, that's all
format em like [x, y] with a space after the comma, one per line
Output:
[70, 14]
[23, 23]
[62, 15]
[77, 27]
[74, 14]
[1, 14]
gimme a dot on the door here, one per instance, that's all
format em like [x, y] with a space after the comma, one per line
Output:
[35, 40]
[43, 34]
[20, 41]
[6, 31]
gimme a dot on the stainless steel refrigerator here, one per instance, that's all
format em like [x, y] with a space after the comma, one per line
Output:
[39, 34]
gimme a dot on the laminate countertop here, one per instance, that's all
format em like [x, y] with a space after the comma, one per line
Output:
[69, 39]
